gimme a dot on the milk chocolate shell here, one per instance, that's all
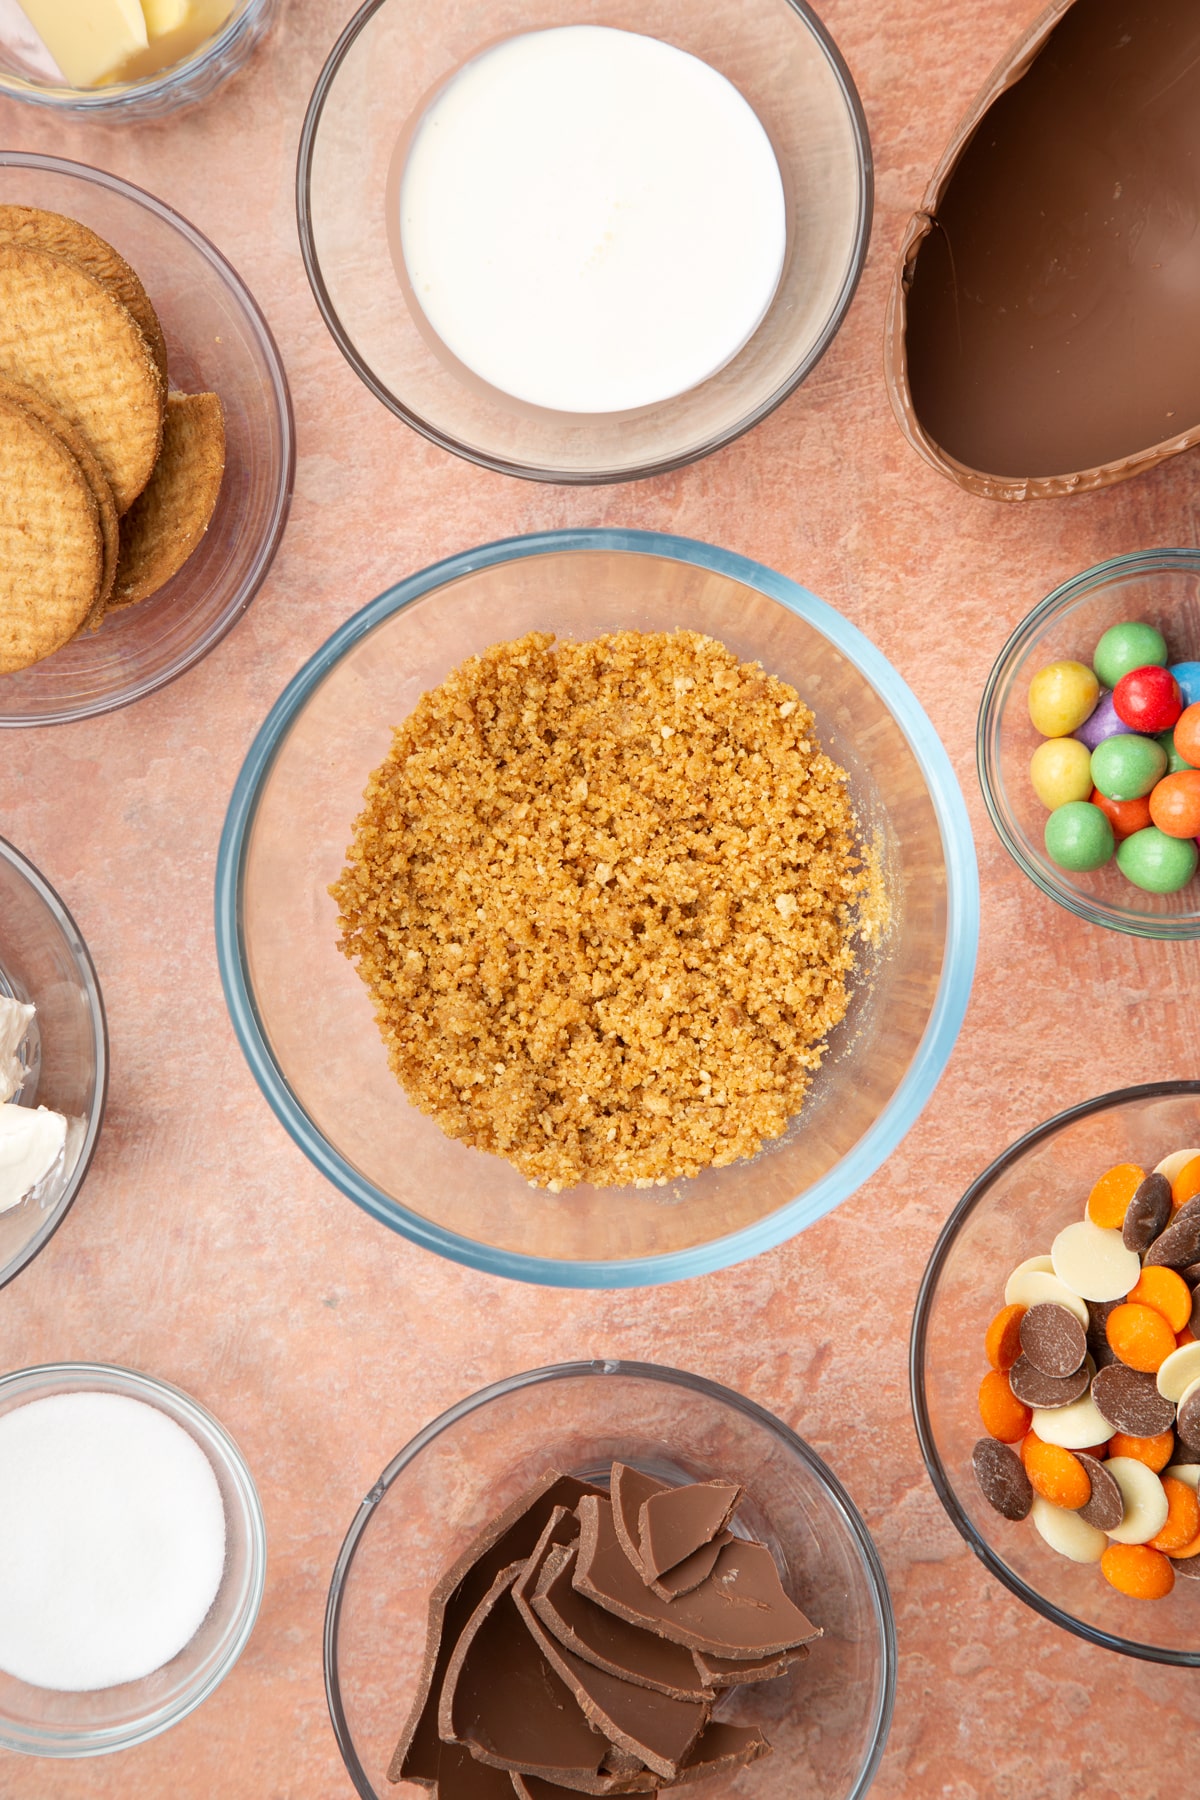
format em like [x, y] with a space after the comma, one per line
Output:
[1041, 335]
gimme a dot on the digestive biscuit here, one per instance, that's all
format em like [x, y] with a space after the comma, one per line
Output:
[169, 518]
[76, 243]
[51, 544]
[63, 333]
[94, 475]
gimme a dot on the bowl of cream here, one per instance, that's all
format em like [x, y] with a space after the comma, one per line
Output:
[591, 250]
[53, 1061]
[132, 1561]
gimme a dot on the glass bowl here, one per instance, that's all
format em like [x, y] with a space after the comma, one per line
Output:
[381, 74]
[305, 1019]
[827, 1718]
[44, 1722]
[1013, 1211]
[23, 73]
[216, 340]
[44, 960]
[1159, 586]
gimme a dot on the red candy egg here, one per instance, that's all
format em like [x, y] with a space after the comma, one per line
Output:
[1175, 804]
[1148, 699]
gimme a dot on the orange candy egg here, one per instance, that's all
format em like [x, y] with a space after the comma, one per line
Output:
[1167, 1293]
[1187, 733]
[1003, 1415]
[1140, 1337]
[1109, 1200]
[1186, 1184]
[1003, 1340]
[1175, 804]
[1125, 816]
[1137, 1570]
[1156, 1452]
[1183, 1516]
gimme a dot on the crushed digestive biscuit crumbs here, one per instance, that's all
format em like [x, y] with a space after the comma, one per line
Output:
[604, 895]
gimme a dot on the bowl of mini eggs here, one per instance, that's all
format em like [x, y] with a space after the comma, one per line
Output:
[1089, 744]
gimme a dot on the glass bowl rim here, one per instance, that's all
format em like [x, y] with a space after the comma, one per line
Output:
[281, 394]
[918, 1082]
[110, 99]
[669, 1377]
[864, 198]
[99, 1377]
[942, 1484]
[82, 958]
[1135, 562]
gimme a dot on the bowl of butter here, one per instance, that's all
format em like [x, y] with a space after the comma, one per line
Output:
[53, 1061]
[134, 59]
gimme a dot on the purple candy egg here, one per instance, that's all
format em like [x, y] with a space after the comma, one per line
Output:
[1102, 722]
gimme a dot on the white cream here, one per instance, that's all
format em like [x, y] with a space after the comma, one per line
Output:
[15, 1020]
[31, 1142]
[592, 220]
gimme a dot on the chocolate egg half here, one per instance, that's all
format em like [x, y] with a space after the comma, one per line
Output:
[1044, 325]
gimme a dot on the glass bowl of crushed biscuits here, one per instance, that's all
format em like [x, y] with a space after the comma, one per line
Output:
[611, 1578]
[654, 929]
[146, 446]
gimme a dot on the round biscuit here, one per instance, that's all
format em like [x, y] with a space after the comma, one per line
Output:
[63, 333]
[51, 547]
[77, 243]
[93, 474]
[168, 519]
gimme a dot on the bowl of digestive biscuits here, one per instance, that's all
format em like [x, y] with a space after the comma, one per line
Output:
[146, 443]
[655, 930]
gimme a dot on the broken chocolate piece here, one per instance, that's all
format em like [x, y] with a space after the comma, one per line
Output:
[740, 1609]
[1002, 1478]
[1106, 1507]
[611, 1643]
[630, 1491]
[692, 1570]
[1033, 1388]
[508, 1538]
[1053, 1340]
[1131, 1402]
[647, 1724]
[674, 1524]
[1147, 1214]
[504, 1701]
[721, 1748]
[723, 1672]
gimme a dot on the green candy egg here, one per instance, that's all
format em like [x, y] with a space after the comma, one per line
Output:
[1130, 645]
[1127, 766]
[1157, 863]
[1175, 762]
[1078, 837]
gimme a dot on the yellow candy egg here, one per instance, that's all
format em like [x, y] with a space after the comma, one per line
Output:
[1061, 770]
[1061, 697]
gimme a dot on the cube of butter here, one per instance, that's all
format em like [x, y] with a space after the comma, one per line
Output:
[165, 15]
[88, 39]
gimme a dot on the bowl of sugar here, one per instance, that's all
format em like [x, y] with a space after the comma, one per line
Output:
[132, 1558]
[589, 251]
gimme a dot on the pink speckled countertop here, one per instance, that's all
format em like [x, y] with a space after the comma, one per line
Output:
[205, 1248]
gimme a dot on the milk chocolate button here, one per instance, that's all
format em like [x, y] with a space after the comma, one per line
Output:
[1093, 1262]
[1147, 1214]
[1002, 1478]
[1179, 1244]
[1099, 1348]
[1194, 1321]
[1146, 1503]
[1187, 1566]
[1053, 1340]
[1131, 1402]
[1188, 1423]
[1033, 1388]
[1106, 1507]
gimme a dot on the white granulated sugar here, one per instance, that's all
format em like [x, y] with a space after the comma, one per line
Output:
[112, 1540]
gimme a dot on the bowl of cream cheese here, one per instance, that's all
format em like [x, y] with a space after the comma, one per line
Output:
[53, 1061]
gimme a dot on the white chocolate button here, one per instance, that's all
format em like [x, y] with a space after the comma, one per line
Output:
[1037, 1287]
[1074, 1427]
[1188, 1473]
[1067, 1533]
[1094, 1262]
[1033, 1265]
[1179, 1371]
[1171, 1166]
[1146, 1505]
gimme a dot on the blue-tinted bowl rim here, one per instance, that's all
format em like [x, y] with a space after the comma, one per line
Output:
[851, 1518]
[90, 983]
[865, 205]
[943, 1486]
[933, 1052]
[1056, 883]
